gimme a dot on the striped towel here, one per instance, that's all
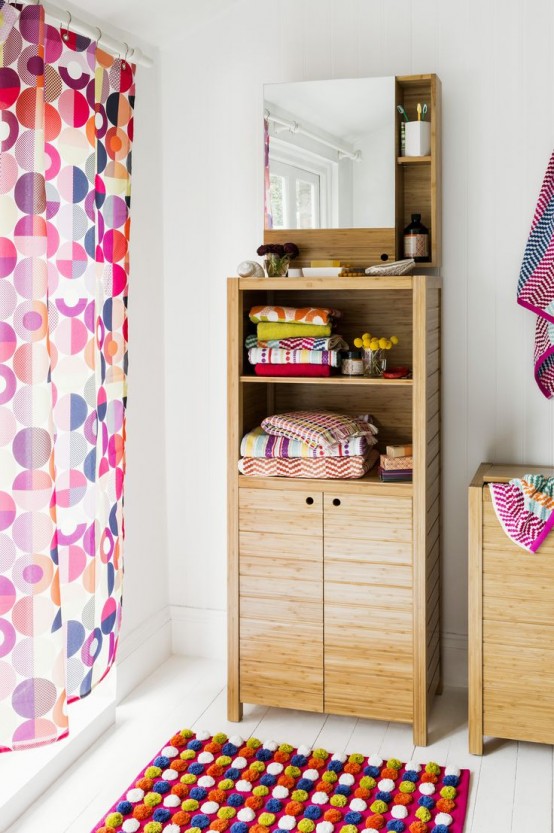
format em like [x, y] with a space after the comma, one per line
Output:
[524, 508]
[325, 468]
[269, 330]
[259, 444]
[535, 289]
[305, 343]
[293, 315]
[267, 355]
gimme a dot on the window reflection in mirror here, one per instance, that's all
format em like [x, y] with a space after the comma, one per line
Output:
[330, 149]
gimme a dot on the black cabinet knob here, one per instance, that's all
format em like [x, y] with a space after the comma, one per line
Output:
[336, 501]
[309, 500]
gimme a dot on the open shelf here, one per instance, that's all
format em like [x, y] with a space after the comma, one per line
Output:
[369, 481]
[332, 380]
[413, 160]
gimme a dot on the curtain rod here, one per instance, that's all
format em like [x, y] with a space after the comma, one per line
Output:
[117, 47]
[294, 127]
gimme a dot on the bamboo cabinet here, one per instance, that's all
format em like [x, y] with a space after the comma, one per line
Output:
[334, 584]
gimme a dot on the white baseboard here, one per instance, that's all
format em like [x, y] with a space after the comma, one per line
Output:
[202, 633]
[142, 650]
[199, 633]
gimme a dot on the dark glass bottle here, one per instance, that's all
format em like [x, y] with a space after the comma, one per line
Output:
[416, 240]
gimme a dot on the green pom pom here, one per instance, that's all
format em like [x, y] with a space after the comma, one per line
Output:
[194, 830]
[260, 790]
[322, 754]
[286, 748]
[223, 760]
[153, 827]
[226, 784]
[186, 733]
[293, 771]
[367, 782]
[306, 826]
[423, 814]
[338, 800]
[379, 807]
[257, 766]
[299, 795]
[432, 768]
[407, 787]
[355, 758]
[189, 805]
[266, 819]
[349, 828]
[152, 799]
[253, 743]
[152, 772]
[394, 763]
[187, 755]
[188, 778]
[226, 813]
[114, 820]
[221, 737]
[330, 777]
[449, 792]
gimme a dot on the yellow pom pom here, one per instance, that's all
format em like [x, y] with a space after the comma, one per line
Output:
[423, 814]
[394, 339]
[383, 343]
[366, 335]
[374, 344]
[358, 342]
[432, 768]
[388, 345]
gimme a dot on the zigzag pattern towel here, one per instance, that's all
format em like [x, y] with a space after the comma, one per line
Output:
[535, 289]
[525, 507]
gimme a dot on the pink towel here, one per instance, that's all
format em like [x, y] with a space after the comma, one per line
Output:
[292, 370]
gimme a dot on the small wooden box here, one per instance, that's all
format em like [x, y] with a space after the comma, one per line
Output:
[511, 623]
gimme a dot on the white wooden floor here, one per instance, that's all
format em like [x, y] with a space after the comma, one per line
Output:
[511, 791]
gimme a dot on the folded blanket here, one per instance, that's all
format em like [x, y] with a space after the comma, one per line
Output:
[269, 330]
[293, 315]
[318, 427]
[268, 355]
[259, 444]
[525, 507]
[306, 343]
[324, 468]
[292, 369]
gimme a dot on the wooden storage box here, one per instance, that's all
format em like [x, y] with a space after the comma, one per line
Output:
[511, 624]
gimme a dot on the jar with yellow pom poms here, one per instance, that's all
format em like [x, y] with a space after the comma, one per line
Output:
[374, 353]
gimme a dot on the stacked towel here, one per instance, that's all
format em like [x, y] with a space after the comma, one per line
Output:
[292, 341]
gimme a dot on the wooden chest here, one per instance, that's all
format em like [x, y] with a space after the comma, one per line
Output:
[511, 624]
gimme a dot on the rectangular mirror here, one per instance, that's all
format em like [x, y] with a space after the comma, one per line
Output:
[330, 154]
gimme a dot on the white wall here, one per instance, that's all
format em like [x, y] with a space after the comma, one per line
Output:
[497, 67]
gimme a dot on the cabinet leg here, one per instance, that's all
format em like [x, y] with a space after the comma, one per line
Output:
[420, 733]
[234, 708]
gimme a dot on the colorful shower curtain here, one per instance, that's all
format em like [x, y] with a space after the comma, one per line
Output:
[66, 126]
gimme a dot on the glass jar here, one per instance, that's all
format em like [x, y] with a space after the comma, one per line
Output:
[374, 362]
[416, 240]
[352, 364]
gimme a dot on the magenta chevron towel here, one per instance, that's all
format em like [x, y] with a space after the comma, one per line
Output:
[525, 507]
[535, 289]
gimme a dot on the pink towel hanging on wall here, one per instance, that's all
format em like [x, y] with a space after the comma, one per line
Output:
[535, 289]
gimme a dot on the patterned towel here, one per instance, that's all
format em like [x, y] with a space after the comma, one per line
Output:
[259, 444]
[524, 508]
[293, 315]
[267, 355]
[319, 427]
[325, 468]
[268, 330]
[306, 343]
[535, 289]
[292, 370]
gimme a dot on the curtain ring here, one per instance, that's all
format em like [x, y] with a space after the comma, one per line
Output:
[65, 35]
[124, 62]
[99, 30]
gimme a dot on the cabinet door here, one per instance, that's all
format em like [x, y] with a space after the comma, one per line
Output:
[368, 629]
[281, 598]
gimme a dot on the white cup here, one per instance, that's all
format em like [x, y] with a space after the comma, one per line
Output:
[418, 138]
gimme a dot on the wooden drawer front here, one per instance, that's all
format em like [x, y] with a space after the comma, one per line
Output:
[368, 637]
[361, 519]
[278, 511]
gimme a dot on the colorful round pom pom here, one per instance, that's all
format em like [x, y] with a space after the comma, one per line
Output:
[418, 827]
[299, 760]
[275, 768]
[246, 814]
[450, 780]
[152, 772]
[338, 800]
[376, 822]
[306, 826]
[153, 827]
[410, 775]
[286, 748]
[367, 782]
[372, 771]
[152, 799]
[266, 819]
[379, 807]
[440, 828]
[320, 753]
[161, 814]
[287, 823]
[324, 827]
[399, 811]
[330, 777]
[426, 801]
[200, 820]
[353, 818]
[432, 768]
[187, 755]
[346, 778]
[254, 743]
[280, 792]
[319, 798]
[335, 766]
[423, 814]
[243, 786]
[396, 826]
[226, 813]
[132, 825]
[407, 787]
[114, 820]
[358, 805]
[343, 789]
[226, 784]
[299, 795]
[313, 813]
[349, 828]
[274, 805]
[449, 792]
[443, 818]
[210, 807]
[124, 807]
[239, 827]
[268, 780]
[425, 789]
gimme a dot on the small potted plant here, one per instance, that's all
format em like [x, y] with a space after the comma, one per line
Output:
[277, 257]
[374, 353]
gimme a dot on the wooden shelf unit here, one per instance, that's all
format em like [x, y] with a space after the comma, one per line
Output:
[334, 603]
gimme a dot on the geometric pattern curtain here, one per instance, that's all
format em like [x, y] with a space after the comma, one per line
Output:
[66, 126]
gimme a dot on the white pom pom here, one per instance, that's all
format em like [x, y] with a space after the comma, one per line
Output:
[202, 735]
[280, 792]
[271, 745]
[386, 785]
[135, 795]
[443, 818]
[346, 778]
[275, 768]
[246, 814]
[236, 740]
[210, 807]
[452, 770]
[399, 811]
[427, 788]
[413, 766]
[170, 751]
[243, 786]
[338, 756]
[172, 828]
[287, 823]
[320, 798]
[172, 801]
[358, 805]
[311, 774]
[325, 827]
[206, 781]
[205, 758]
[304, 750]
[170, 775]
[375, 760]
[130, 825]
[240, 762]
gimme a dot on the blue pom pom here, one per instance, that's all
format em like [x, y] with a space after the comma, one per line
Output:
[299, 760]
[161, 761]
[264, 755]
[343, 789]
[426, 801]
[124, 807]
[161, 787]
[274, 805]
[236, 800]
[353, 817]
[382, 796]
[305, 784]
[397, 826]
[239, 827]
[335, 766]
[196, 769]
[233, 773]
[199, 793]
[313, 812]
[440, 828]
[195, 745]
[268, 780]
[410, 775]
[451, 781]
[200, 820]
[373, 771]
[161, 814]
[229, 749]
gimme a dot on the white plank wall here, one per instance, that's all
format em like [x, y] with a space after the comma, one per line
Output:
[497, 68]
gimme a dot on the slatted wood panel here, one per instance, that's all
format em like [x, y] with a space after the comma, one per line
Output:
[281, 598]
[518, 635]
[357, 247]
[368, 584]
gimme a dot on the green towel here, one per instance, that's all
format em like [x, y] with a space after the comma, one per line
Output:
[268, 330]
